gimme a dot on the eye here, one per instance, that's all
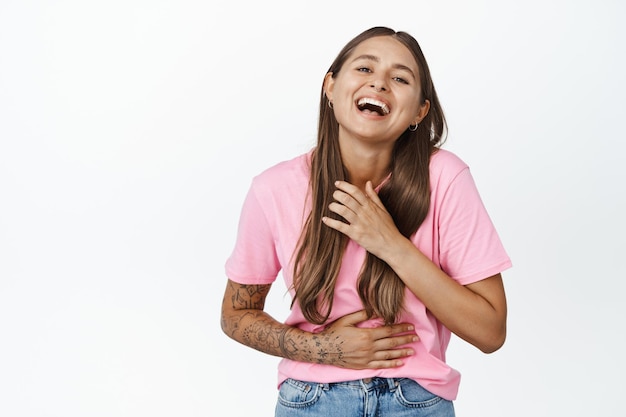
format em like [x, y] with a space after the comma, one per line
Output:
[400, 80]
[363, 69]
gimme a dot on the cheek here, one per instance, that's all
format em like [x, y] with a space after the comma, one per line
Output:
[342, 112]
[342, 92]
[412, 107]
[342, 102]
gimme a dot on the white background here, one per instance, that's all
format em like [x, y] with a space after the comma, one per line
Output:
[130, 131]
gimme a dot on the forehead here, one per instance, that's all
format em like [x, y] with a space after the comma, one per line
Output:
[387, 49]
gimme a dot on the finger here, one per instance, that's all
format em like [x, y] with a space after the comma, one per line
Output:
[400, 328]
[387, 332]
[373, 195]
[390, 358]
[346, 199]
[353, 318]
[385, 364]
[336, 224]
[395, 343]
[343, 211]
[352, 190]
[389, 355]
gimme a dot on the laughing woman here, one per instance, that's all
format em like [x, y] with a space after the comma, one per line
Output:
[383, 242]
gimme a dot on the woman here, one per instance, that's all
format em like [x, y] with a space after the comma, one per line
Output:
[381, 238]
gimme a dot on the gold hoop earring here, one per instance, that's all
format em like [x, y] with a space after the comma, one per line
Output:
[330, 104]
[413, 128]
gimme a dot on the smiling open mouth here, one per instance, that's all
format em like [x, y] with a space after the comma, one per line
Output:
[372, 105]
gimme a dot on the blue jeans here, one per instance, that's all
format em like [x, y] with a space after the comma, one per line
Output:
[398, 397]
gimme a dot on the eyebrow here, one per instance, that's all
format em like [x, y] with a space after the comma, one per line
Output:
[377, 59]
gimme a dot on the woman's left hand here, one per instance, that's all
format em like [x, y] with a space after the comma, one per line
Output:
[367, 221]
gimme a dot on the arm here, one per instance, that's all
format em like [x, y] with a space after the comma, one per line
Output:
[475, 313]
[340, 344]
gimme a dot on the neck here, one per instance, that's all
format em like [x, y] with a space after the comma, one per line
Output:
[366, 164]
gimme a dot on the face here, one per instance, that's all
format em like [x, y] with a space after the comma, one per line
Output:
[376, 95]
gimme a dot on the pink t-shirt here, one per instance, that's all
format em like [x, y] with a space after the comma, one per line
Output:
[457, 235]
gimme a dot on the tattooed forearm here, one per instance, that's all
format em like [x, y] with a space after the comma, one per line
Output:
[287, 342]
[244, 320]
[314, 348]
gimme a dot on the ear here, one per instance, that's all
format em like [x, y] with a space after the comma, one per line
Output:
[422, 112]
[329, 83]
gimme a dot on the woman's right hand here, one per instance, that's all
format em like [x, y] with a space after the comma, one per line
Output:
[344, 344]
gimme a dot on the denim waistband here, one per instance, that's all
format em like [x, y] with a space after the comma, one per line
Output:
[366, 383]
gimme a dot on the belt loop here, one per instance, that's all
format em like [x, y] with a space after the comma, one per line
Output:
[393, 384]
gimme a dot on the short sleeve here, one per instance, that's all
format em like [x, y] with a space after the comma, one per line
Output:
[254, 259]
[469, 246]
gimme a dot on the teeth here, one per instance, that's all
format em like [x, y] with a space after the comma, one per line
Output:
[374, 102]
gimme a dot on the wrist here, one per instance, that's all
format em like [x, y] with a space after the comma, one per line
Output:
[398, 252]
[294, 344]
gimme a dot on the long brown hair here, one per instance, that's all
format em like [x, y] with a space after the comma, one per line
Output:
[406, 196]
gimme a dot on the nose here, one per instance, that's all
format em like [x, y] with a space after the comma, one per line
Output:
[378, 85]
